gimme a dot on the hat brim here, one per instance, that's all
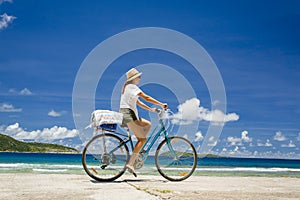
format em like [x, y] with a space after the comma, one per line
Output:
[135, 76]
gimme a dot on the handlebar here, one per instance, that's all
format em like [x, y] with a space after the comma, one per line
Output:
[161, 112]
[158, 110]
[165, 115]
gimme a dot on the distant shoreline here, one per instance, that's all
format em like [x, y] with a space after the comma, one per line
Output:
[200, 156]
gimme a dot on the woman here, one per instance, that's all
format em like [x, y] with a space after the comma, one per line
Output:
[139, 126]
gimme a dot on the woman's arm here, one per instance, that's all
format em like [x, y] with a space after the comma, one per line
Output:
[150, 100]
[142, 105]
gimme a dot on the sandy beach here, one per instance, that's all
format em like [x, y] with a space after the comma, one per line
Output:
[69, 186]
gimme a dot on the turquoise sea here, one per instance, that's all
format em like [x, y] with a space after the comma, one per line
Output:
[71, 163]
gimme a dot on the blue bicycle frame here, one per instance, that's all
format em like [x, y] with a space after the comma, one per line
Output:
[146, 152]
[158, 133]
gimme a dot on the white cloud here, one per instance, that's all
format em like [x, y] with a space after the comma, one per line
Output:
[218, 117]
[191, 111]
[245, 137]
[267, 144]
[234, 141]
[239, 141]
[199, 136]
[298, 138]
[4, 107]
[13, 129]
[54, 113]
[236, 149]
[25, 91]
[279, 137]
[5, 20]
[188, 112]
[212, 141]
[45, 135]
[290, 145]
[255, 153]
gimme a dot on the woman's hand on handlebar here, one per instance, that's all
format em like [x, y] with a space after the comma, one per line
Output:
[164, 106]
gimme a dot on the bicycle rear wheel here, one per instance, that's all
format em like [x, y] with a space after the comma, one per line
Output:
[103, 158]
[176, 158]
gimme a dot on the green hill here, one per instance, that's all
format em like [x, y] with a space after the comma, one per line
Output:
[11, 145]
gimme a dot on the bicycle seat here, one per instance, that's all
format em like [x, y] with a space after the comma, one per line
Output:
[108, 126]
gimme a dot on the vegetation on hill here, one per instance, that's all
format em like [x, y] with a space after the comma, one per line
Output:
[9, 144]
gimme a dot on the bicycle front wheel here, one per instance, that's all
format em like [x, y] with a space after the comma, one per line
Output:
[176, 158]
[104, 157]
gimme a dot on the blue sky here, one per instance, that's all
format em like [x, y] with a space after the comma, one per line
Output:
[255, 45]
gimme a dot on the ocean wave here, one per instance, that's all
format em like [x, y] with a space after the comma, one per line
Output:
[38, 166]
[250, 169]
[65, 167]
[49, 170]
[238, 169]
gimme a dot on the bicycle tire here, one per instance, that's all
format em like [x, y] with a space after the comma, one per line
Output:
[102, 166]
[179, 163]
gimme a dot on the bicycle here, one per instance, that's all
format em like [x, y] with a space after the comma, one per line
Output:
[105, 155]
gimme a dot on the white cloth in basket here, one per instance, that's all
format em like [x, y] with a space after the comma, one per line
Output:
[99, 117]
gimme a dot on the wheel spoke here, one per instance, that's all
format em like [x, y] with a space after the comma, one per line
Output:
[101, 158]
[176, 160]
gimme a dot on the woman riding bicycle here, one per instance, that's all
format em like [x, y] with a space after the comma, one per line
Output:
[139, 126]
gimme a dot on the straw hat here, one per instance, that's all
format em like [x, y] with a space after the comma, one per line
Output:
[132, 74]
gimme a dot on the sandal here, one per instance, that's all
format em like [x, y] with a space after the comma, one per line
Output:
[131, 170]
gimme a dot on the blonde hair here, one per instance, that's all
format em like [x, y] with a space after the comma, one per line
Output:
[124, 86]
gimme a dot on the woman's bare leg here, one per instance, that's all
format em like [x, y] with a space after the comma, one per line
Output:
[140, 129]
[146, 126]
